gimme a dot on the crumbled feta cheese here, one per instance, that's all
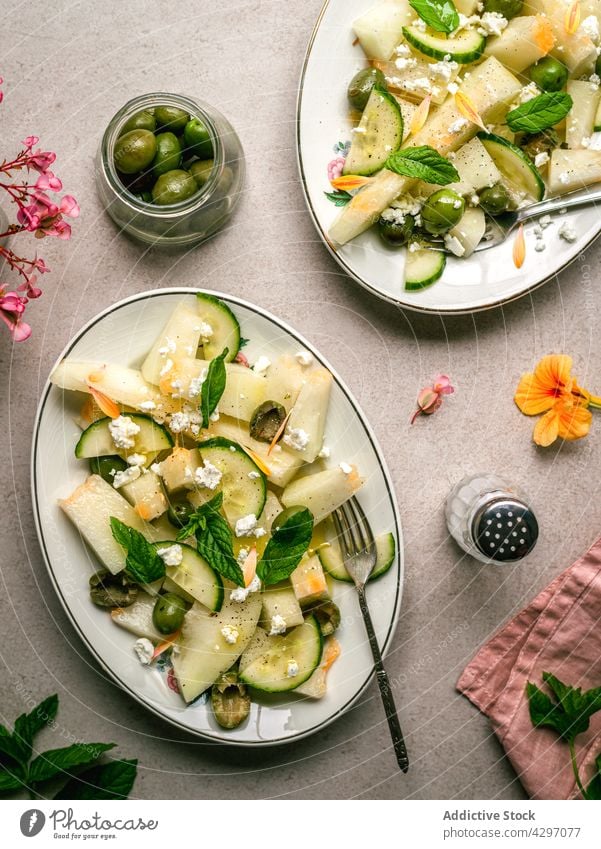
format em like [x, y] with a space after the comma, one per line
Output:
[166, 368]
[324, 453]
[526, 93]
[444, 69]
[242, 555]
[259, 532]
[254, 475]
[305, 358]
[292, 669]
[474, 200]
[402, 63]
[172, 555]
[122, 430]
[296, 438]
[214, 417]
[346, 468]
[590, 27]
[458, 125]
[207, 475]
[419, 84]
[232, 448]
[545, 221]
[594, 79]
[230, 634]
[262, 364]
[402, 49]
[406, 204]
[242, 593]
[156, 468]
[453, 245]
[452, 88]
[541, 159]
[586, 141]
[144, 651]
[126, 476]
[168, 348]
[147, 406]
[492, 23]
[457, 204]
[567, 233]
[394, 216]
[419, 24]
[246, 525]
[179, 422]
[195, 386]
[414, 246]
[278, 625]
[206, 331]
[539, 245]
[564, 178]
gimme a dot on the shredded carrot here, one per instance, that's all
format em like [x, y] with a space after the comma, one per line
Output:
[108, 407]
[519, 248]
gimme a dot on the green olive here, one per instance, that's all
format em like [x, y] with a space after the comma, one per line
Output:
[266, 421]
[197, 139]
[549, 74]
[230, 700]
[146, 196]
[201, 171]
[442, 211]
[285, 516]
[107, 466]
[360, 87]
[143, 120]
[108, 590]
[544, 142]
[179, 512]
[173, 187]
[134, 151]
[137, 183]
[169, 154]
[168, 613]
[171, 117]
[508, 8]
[396, 231]
[494, 199]
[328, 615]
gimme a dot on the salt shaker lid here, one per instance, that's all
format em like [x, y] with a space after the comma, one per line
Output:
[505, 529]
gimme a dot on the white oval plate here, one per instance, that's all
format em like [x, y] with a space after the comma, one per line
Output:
[486, 279]
[123, 333]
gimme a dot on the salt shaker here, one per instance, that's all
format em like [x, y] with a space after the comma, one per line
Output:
[491, 519]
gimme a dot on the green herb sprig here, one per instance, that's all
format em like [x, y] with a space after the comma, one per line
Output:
[214, 539]
[285, 549]
[540, 113]
[423, 163]
[439, 15]
[142, 562]
[213, 387]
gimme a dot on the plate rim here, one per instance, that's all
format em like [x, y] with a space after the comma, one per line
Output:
[399, 584]
[424, 310]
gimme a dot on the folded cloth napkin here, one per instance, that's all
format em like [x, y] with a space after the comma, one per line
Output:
[558, 632]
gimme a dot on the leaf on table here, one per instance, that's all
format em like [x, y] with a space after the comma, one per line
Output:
[593, 791]
[11, 778]
[104, 782]
[29, 724]
[570, 714]
[51, 763]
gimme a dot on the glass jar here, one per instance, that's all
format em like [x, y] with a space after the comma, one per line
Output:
[490, 519]
[192, 220]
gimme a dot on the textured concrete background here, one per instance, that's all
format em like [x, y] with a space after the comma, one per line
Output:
[68, 66]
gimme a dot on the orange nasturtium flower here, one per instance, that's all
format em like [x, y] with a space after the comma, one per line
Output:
[553, 391]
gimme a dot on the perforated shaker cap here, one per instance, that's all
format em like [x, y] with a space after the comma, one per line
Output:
[505, 530]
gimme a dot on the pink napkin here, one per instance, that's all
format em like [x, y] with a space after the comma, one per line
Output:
[559, 632]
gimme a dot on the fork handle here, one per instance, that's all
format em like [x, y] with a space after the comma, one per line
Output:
[579, 198]
[394, 725]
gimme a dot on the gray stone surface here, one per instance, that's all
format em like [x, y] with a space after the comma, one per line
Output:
[67, 68]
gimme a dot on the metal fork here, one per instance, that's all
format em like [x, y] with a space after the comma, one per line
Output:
[359, 553]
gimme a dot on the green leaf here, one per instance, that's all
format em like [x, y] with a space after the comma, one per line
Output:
[53, 762]
[540, 113]
[28, 724]
[243, 342]
[214, 539]
[286, 547]
[593, 791]
[339, 197]
[107, 781]
[440, 15]
[9, 747]
[570, 714]
[142, 563]
[11, 779]
[212, 387]
[423, 163]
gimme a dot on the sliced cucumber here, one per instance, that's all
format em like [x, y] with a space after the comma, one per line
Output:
[514, 165]
[243, 484]
[223, 323]
[422, 268]
[380, 133]
[195, 577]
[96, 440]
[331, 559]
[463, 48]
[270, 671]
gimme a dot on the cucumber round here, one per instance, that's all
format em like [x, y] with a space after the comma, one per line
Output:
[380, 133]
[243, 484]
[332, 562]
[195, 577]
[269, 671]
[96, 440]
[463, 48]
[423, 268]
[515, 166]
[226, 329]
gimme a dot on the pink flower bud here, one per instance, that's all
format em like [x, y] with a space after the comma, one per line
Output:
[69, 206]
[428, 400]
[30, 141]
[442, 385]
[49, 182]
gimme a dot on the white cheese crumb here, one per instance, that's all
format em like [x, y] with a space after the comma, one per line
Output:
[457, 125]
[179, 422]
[453, 245]
[206, 331]
[567, 233]
[296, 438]
[541, 159]
[230, 634]
[545, 221]
[195, 386]
[166, 368]
[232, 448]
[305, 358]
[246, 525]
[156, 468]
[452, 88]
[278, 625]
[346, 468]
[172, 555]
[214, 417]
[254, 475]
[292, 669]
[492, 23]
[122, 430]
[262, 364]
[168, 348]
[539, 245]
[419, 24]
[207, 475]
[242, 555]
[144, 650]
[590, 27]
[126, 476]
[325, 452]
[136, 459]
[564, 178]
[240, 594]
[147, 406]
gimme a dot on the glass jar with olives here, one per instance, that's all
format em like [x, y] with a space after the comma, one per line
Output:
[169, 169]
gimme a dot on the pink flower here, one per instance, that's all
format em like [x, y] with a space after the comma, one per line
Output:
[430, 398]
[1, 92]
[48, 182]
[69, 206]
[40, 160]
[12, 307]
[442, 385]
[335, 168]
[30, 141]
[29, 217]
[241, 358]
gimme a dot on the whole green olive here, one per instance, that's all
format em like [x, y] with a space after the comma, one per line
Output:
[134, 151]
[169, 154]
[107, 466]
[360, 87]
[266, 420]
[396, 229]
[549, 74]
[168, 613]
[286, 516]
[197, 139]
[494, 199]
[508, 8]
[173, 187]
[442, 211]
[143, 120]
[201, 171]
[146, 196]
[171, 117]
[179, 512]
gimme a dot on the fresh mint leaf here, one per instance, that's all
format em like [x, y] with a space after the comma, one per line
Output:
[339, 197]
[593, 791]
[540, 113]
[423, 163]
[440, 15]
[104, 782]
[29, 724]
[9, 747]
[11, 779]
[285, 549]
[243, 342]
[55, 761]
[214, 539]
[212, 387]
[142, 563]
[570, 714]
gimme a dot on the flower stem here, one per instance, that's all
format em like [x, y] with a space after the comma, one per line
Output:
[594, 401]
[575, 768]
